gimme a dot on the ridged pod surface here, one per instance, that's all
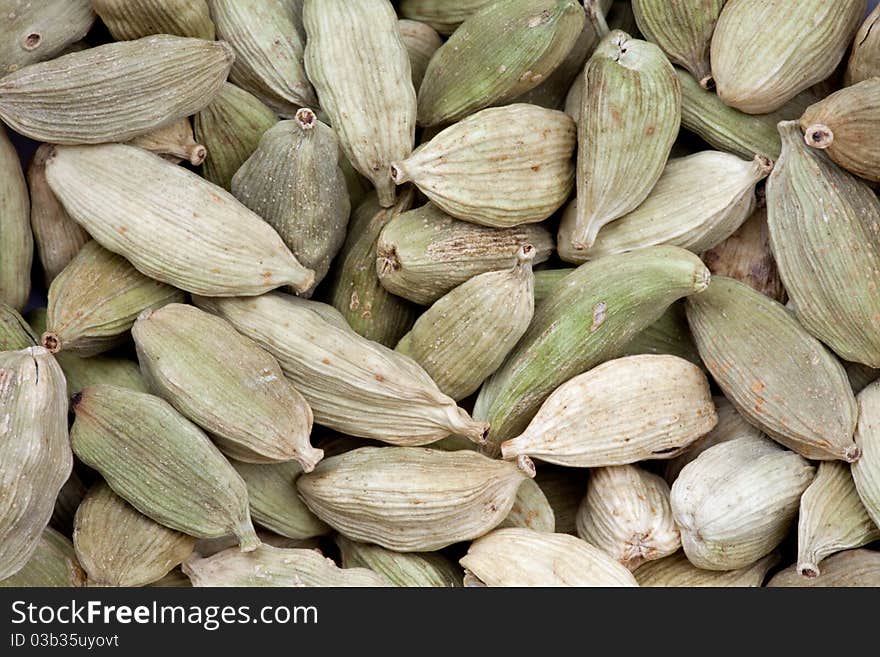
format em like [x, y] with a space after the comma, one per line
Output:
[531, 509]
[421, 41]
[866, 471]
[413, 569]
[844, 569]
[133, 19]
[36, 31]
[443, 15]
[52, 564]
[15, 333]
[16, 239]
[677, 571]
[668, 335]
[864, 60]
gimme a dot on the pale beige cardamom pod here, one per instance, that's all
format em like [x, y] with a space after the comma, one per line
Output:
[844, 569]
[36, 31]
[531, 509]
[53, 563]
[207, 547]
[174, 142]
[415, 569]
[133, 19]
[421, 41]
[16, 239]
[866, 471]
[677, 571]
[864, 60]
[14, 330]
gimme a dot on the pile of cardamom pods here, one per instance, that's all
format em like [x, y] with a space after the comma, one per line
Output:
[440, 293]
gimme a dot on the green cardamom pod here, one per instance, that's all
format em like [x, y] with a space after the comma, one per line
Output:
[866, 471]
[53, 563]
[443, 15]
[16, 239]
[36, 31]
[421, 41]
[15, 333]
[400, 568]
[546, 280]
[864, 60]
[844, 569]
[133, 19]
[677, 571]
[531, 509]
[668, 335]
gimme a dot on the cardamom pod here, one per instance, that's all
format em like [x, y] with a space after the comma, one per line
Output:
[522, 557]
[175, 580]
[421, 41]
[779, 377]
[415, 569]
[15, 333]
[133, 19]
[16, 239]
[800, 46]
[35, 457]
[352, 384]
[372, 108]
[736, 501]
[471, 171]
[117, 546]
[866, 471]
[160, 463]
[546, 280]
[825, 233]
[53, 563]
[564, 489]
[424, 253]
[625, 410]
[207, 547]
[531, 509]
[412, 499]
[864, 60]
[114, 92]
[844, 569]
[677, 571]
[443, 15]
[36, 31]
[199, 239]
[174, 142]
[668, 335]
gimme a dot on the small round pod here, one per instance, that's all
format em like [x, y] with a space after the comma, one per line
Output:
[842, 570]
[677, 571]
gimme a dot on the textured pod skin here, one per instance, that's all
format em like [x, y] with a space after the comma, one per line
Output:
[114, 92]
[625, 410]
[866, 471]
[412, 569]
[174, 142]
[274, 502]
[36, 31]
[801, 46]
[668, 335]
[864, 60]
[786, 383]
[15, 333]
[355, 290]
[458, 170]
[421, 41]
[226, 384]
[466, 335]
[589, 317]
[353, 385]
[160, 463]
[630, 115]
[411, 499]
[35, 457]
[825, 233]
[698, 202]
[117, 546]
[626, 513]
[499, 53]
[230, 127]
[95, 300]
[844, 569]
[832, 518]
[846, 126]
[683, 30]
[372, 108]
[268, 52]
[294, 182]
[52, 564]
[677, 571]
[16, 239]
[522, 557]
[133, 19]
[546, 280]
[443, 15]
[271, 566]
[531, 509]
[171, 224]
[736, 501]
[424, 253]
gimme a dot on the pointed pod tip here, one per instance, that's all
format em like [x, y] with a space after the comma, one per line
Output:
[526, 465]
[197, 154]
[808, 570]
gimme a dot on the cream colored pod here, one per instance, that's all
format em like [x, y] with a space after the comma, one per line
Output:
[625, 410]
[412, 499]
[866, 471]
[677, 571]
[735, 503]
[358, 63]
[626, 514]
[16, 239]
[844, 569]
[35, 456]
[864, 61]
[36, 31]
[531, 509]
[174, 142]
[226, 384]
[421, 41]
[522, 557]
[500, 167]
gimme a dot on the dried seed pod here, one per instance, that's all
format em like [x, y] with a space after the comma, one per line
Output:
[273, 500]
[802, 45]
[522, 557]
[15, 333]
[95, 300]
[499, 53]
[546, 280]
[160, 463]
[36, 31]
[372, 109]
[458, 169]
[844, 569]
[174, 142]
[668, 335]
[866, 471]
[589, 317]
[736, 501]
[677, 571]
[625, 410]
[175, 580]
[226, 384]
[564, 489]
[294, 182]
[268, 52]
[466, 335]
[53, 563]
[421, 41]
[531, 509]
[825, 233]
[117, 546]
[133, 19]
[424, 253]
[864, 60]
[200, 239]
[16, 239]
[832, 518]
[114, 92]
[786, 383]
[69, 498]
[35, 457]
[352, 384]
[271, 566]
[412, 499]
[207, 547]
[626, 513]
[698, 202]
[400, 568]
[443, 15]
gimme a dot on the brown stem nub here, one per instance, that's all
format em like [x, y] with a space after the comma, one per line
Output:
[51, 341]
[809, 570]
[526, 466]
[398, 174]
[819, 136]
[309, 457]
[387, 260]
[852, 454]
[197, 154]
[707, 82]
[763, 164]
[305, 118]
[32, 41]
[75, 400]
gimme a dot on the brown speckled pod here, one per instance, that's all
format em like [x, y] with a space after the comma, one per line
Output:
[421, 41]
[16, 239]
[400, 568]
[174, 142]
[844, 569]
[866, 471]
[531, 509]
[36, 31]
[133, 19]
[677, 571]
[53, 563]
[443, 15]
[864, 61]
